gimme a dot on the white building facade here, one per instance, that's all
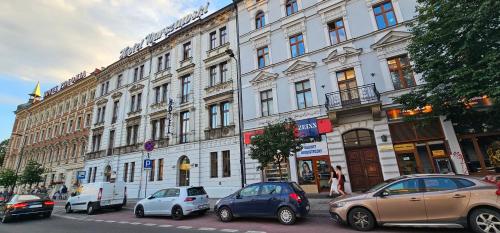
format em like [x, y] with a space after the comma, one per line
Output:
[336, 65]
[180, 93]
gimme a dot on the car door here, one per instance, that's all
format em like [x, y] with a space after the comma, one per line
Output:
[152, 204]
[402, 202]
[244, 202]
[268, 200]
[445, 199]
[167, 202]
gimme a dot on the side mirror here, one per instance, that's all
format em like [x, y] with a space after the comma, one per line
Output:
[238, 196]
[151, 197]
[385, 193]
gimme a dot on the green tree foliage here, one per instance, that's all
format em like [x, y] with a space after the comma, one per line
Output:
[275, 145]
[8, 178]
[3, 150]
[455, 46]
[32, 173]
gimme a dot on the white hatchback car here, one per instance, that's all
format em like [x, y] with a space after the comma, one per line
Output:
[176, 202]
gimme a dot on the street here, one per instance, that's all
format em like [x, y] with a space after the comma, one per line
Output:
[125, 222]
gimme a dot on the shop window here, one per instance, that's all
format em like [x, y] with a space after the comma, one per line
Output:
[306, 173]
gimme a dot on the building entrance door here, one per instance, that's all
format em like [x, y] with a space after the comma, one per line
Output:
[314, 174]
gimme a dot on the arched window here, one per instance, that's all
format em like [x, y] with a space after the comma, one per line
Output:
[184, 171]
[358, 137]
[260, 20]
[291, 7]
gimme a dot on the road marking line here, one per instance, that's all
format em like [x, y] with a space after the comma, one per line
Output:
[229, 230]
[207, 229]
[184, 227]
[99, 220]
[255, 232]
[110, 221]
[136, 223]
[122, 222]
[150, 224]
[165, 226]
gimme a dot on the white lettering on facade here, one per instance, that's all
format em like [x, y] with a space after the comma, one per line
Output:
[65, 84]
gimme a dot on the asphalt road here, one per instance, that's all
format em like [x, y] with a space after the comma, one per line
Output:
[125, 222]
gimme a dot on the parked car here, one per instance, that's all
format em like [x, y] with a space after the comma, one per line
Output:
[26, 205]
[423, 200]
[99, 195]
[176, 202]
[283, 200]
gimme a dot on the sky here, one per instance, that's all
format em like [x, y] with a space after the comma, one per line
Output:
[49, 41]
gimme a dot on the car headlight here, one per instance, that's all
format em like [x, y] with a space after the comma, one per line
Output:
[339, 204]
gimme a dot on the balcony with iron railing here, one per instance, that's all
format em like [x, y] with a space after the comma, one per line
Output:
[354, 99]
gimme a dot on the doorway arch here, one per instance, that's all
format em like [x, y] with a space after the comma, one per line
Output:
[362, 159]
[184, 171]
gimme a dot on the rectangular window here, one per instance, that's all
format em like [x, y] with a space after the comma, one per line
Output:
[186, 88]
[337, 31]
[348, 87]
[263, 57]
[213, 165]
[129, 135]
[213, 117]
[152, 171]
[132, 171]
[102, 88]
[162, 128]
[213, 75]
[119, 81]
[297, 45]
[303, 94]
[160, 169]
[213, 40]
[93, 175]
[111, 143]
[157, 94]
[159, 64]
[139, 102]
[226, 164]
[125, 172]
[87, 121]
[141, 72]
[184, 127]
[291, 7]
[167, 61]
[132, 104]
[384, 15]
[401, 72]
[225, 108]
[103, 114]
[115, 111]
[79, 123]
[223, 72]
[164, 89]
[136, 134]
[107, 88]
[223, 35]
[89, 175]
[187, 53]
[136, 74]
[154, 129]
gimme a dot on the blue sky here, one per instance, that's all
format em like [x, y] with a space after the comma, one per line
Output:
[51, 41]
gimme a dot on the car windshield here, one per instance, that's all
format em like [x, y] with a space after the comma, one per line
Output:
[384, 183]
[197, 191]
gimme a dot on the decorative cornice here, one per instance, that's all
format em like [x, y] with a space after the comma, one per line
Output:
[136, 87]
[299, 66]
[101, 101]
[336, 56]
[391, 38]
[116, 95]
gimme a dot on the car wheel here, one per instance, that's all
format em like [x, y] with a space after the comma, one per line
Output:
[47, 215]
[177, 213]
[68, 208]
[225, 214]
[286, 216]
[361, 219]
[91, 209]
[485, 221]
[139, 212]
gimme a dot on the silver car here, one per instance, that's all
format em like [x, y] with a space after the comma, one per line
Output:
[176, 202]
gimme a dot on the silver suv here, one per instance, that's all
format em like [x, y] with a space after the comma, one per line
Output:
[176, 202]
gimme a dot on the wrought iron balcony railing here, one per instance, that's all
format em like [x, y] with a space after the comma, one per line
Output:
[352, 97]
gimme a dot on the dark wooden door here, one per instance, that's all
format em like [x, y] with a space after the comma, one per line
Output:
[364, 168]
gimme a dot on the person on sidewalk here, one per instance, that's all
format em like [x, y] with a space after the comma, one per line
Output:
[341, 180]
[64, 192]
[334, 182]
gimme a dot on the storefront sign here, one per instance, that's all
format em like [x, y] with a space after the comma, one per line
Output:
[385, 148]
[404, 147]
[165, 32]
[65, 84]
[307, 128]
[438, 153]
[313, 149]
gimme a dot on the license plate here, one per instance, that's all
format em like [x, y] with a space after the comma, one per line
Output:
[202, 206]
[35, 206]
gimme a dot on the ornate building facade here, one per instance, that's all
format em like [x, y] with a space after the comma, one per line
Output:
[180, 93]
[53, 131]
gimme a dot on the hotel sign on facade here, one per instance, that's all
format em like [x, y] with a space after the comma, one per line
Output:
[65, 84]
[165, 32]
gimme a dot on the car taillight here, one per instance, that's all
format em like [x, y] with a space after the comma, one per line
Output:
[48, 203]
[498, 188]
[19, 205]
[188, 199]
[296, 197]
[99, 195]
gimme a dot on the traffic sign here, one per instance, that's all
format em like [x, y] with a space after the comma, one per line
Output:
[80, 175]
[149, 145]
[148, 164]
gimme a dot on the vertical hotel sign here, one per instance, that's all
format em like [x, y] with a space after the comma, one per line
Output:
[165, 32]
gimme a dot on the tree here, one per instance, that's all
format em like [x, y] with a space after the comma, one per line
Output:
[455, 48]
[8, 178]
[275, 144]
[32, 173]
[3, 150]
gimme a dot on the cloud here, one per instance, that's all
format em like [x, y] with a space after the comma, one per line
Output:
[10, 100]
[52, 40]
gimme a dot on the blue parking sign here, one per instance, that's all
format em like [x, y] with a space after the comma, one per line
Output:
[148, 164]
[80, 175]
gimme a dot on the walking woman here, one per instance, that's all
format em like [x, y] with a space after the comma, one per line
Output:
[341, 180]
[334, 182]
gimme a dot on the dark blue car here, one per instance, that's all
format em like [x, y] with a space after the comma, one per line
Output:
[284, 200]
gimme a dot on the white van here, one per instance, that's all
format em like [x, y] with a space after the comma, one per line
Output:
[100, 195]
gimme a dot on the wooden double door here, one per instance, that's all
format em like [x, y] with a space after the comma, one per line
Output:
[364, 167]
